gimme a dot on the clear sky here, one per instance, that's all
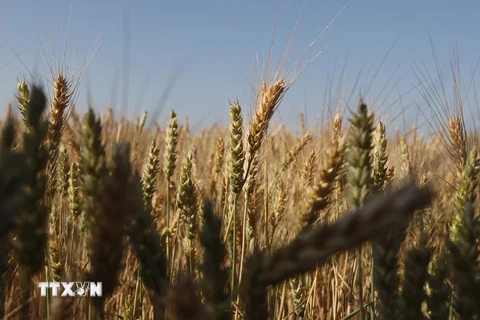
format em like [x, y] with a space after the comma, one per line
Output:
[211, 46]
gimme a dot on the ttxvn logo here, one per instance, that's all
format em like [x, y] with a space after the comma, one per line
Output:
[71, 289]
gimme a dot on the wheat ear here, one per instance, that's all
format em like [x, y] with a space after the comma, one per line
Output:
[150, 174]
[32, 220]
[169, 165]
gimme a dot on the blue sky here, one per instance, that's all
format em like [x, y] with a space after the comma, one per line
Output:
[211, 46]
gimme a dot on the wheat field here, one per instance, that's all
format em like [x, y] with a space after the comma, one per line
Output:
[349, 220]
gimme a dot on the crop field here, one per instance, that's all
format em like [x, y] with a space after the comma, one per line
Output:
[347, 219]
[246, 222]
